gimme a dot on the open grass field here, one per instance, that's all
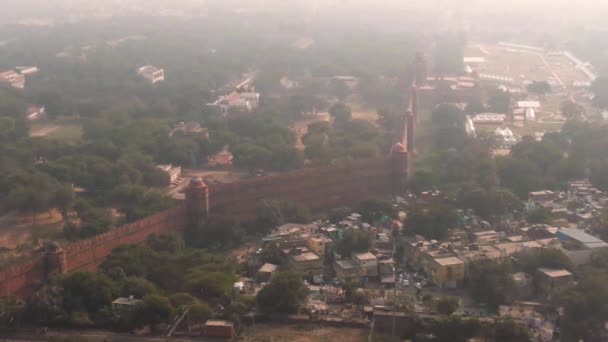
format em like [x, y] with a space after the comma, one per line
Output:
[70, 131]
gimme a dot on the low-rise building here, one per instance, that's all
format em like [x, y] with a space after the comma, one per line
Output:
[541, 196]
[549, 281]
[303, 261]
[218, 328]
[189, 128]
[506, 136]
[447, 272]
[346, 269]
[34, 112]
[13, 79]
[320, 244]
[266, 271]
[367, 264]
[578, 246]
[151, 73]
[123, 305]
[174, 172]
[489, 118]
[27, 70]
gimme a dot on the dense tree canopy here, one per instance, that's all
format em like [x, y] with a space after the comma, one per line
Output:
[284, 294]
[432, 221]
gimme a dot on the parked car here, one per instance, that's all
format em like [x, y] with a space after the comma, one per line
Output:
[406, 282]
[418, 286]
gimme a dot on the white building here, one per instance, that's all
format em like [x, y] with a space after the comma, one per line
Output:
[530, 114]
[34, 112]
[529, 104]
[489, 118]
[469, 127]
[174, 172]
[27, 70]
[13, 78]
[235, 101]
[506, 136]
[152, 73]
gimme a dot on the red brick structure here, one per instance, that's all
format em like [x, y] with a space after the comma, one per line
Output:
[317, 188]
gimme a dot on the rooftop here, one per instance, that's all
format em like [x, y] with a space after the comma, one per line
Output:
[306, 256]
[580, 236]
[126, 301]
[218, 323]
[365, 256]
[346, 264]
[554, 273]
[268, 268]
[449, 261]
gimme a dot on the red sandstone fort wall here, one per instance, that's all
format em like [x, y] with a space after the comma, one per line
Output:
[316, 188]
[23, 278]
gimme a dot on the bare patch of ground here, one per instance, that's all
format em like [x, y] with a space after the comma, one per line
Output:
[302, 333]
[17, 229]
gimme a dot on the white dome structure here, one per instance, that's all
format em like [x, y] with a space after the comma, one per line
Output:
[530, 114]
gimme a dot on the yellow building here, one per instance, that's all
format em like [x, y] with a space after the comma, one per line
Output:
[447, 272]
[319, 245]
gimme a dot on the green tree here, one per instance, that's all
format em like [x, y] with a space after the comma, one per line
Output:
[448, 126]
[339, 89]
[199, 313]
[283, 295]
[171, 243]
[432, 222]
[519, 176]
[571, 109]
[422, 180]
[489, 203]
[340, 113]
[372, 210]
[546, 257]
[86, 291]
[455, 329]
[500, 101]
[137, 287]
[539, 87]
[509, 330]
[29, 200]
[153, 310]
[491, 283]
[540, 215]
[63, 199]
[354, 241]
[599, 174]
[585, 308]
[447, 305]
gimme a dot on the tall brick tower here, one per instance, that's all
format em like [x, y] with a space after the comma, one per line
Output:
[399, 156]
[197, 202]
[55, 259]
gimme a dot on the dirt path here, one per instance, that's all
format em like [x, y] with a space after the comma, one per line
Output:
[300, 128]
[43, 130]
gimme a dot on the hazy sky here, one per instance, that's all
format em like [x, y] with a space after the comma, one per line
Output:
[559, 9]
